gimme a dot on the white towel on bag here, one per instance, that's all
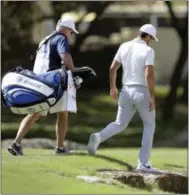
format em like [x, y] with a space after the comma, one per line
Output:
[71, 94]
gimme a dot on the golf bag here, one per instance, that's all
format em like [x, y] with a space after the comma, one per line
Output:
[25, 92]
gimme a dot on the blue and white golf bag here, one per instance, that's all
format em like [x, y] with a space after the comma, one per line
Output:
[26, 92]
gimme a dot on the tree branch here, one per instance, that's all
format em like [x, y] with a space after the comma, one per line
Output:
[98, 8]
[174, 19]
[186, 19]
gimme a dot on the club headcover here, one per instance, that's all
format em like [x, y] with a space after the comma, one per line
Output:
[83, 74]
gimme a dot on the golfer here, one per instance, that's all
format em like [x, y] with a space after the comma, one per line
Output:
[51, 55]
[137, 60]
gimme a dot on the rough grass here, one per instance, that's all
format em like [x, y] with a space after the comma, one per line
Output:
[41, 172]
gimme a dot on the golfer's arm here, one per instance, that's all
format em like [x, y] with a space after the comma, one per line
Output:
[150, 78]
[113, 73]
[67, 60]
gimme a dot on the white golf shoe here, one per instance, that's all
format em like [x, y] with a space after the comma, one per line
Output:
[146, 168]
[94, 142]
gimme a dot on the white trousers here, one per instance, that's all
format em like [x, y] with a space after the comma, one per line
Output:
[132, 98]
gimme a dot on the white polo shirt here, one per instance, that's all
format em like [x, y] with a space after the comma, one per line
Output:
[134, 56]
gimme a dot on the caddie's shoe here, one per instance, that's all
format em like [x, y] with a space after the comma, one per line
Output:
[94, 142]
[15, 150]
[62, 150]
[147, 168]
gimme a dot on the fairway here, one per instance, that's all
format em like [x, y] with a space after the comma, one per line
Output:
[41, 172]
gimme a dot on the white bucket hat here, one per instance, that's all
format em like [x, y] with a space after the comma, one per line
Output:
[149, 29]
[68, 22]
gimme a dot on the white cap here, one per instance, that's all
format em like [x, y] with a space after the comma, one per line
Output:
[68, 22]
[149, 29]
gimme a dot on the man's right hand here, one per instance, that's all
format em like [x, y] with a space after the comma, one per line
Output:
[114, 93]
[152, 104]
[67, 61]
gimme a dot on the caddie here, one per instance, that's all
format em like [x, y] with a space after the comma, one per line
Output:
[53, 52]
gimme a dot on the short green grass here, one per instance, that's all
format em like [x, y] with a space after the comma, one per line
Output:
[41, 172]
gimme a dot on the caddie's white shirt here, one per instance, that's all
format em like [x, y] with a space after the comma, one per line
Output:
[134, 56]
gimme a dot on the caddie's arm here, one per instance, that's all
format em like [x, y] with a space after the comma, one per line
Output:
[64, 53]
[67, 60]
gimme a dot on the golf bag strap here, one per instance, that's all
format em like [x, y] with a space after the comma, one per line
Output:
[46, 39]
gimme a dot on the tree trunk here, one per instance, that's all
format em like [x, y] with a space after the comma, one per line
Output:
[168, 109]
[170, 101]
[184, 97]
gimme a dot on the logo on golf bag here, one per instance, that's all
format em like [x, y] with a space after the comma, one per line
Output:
[32, 84]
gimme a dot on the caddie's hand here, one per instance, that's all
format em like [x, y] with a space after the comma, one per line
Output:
[152, 104]
[114, 93]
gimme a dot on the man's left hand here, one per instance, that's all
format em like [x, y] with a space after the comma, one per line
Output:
[114, 93]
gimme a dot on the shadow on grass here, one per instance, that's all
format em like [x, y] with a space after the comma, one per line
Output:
[107, 158]
[98, 156]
